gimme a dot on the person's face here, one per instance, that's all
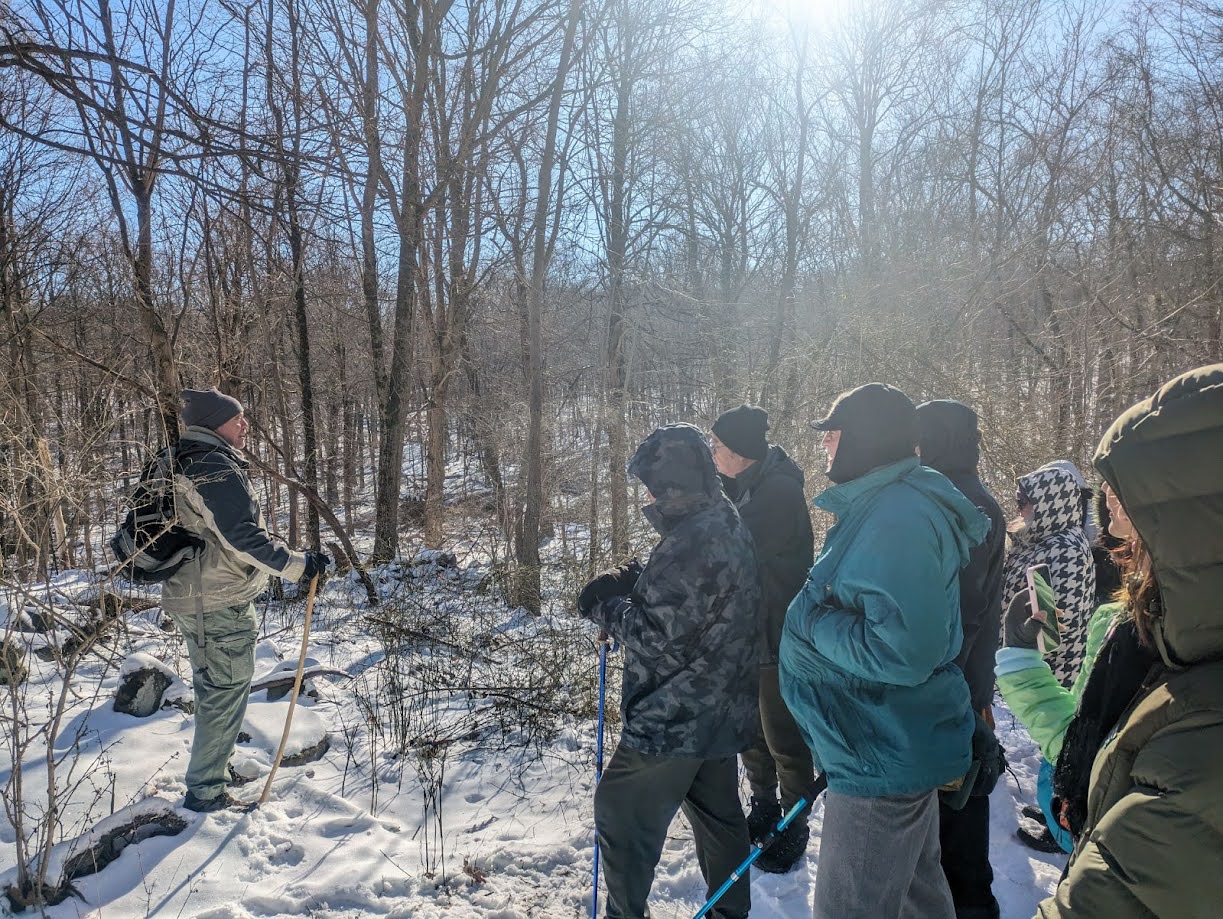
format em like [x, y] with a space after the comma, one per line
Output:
[729, 463]
[233, 432]
[1119, 523]
[829, 442]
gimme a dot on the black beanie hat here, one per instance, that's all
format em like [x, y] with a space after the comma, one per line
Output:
[878, 425]
[743, 429]
[208, 408]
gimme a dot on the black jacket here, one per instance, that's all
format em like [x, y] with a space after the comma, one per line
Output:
[770, 499]
[950, 444]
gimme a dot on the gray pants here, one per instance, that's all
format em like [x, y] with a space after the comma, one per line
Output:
[879, 859]
[779, 755]
[221, 674]
[634, 805]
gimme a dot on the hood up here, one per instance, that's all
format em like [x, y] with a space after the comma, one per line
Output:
[675, 464]
[948, 437]
[1164, 459]
[1057, 505]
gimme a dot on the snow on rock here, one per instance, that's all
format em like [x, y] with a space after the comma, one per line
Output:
[265, 722]
[103, 843]
[138, 661]
[146, 684]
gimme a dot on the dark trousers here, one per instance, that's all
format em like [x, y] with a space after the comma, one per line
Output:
[779, 755]
[635, 802]
[964, 839]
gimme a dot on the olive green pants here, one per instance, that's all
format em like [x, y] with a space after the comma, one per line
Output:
[221, 671]
[779, 755]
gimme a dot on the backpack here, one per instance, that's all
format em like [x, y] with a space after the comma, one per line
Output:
[149, 545]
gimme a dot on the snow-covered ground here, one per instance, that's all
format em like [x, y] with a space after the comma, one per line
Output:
[458, 781]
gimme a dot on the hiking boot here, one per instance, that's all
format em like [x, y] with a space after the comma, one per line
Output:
[765, 814]
[1032, 812]
[786, 849]
[223, 801]
[1041, 842]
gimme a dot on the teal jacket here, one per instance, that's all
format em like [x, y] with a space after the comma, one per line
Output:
[866, 657]
[1032, 692]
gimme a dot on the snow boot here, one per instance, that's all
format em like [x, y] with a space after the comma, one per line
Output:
[223, 801]
[1032, 812]
[1041, 842]
[786, 850]
[765, 814]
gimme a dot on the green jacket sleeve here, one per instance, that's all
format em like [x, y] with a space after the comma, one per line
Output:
[1156, 851]
[1035, 697]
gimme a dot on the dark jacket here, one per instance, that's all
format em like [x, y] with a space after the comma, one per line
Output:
[1152, 842]
[769, 496]
[868, 650]
[692, 644]
[215, 502]
[950, 443]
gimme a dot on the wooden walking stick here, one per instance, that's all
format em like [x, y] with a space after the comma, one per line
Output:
[297, 685]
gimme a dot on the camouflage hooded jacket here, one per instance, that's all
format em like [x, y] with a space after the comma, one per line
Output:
[692, 644]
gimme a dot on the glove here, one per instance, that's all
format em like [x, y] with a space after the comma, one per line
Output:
[317, 563]
[988, 764]
[1022, 630]
[617, 582]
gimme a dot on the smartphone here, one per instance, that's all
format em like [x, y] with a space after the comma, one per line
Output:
[1034, 571]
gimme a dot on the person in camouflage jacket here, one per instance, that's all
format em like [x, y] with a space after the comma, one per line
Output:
[687, 623]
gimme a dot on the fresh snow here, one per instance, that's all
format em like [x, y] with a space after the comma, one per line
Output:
[483, 817]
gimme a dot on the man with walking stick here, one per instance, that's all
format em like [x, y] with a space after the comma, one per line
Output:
[209, 598]
[687, 623]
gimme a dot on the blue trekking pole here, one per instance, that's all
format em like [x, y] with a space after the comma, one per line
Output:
[603, 647]
[801, 804]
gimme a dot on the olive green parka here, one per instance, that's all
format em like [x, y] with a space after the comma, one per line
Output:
[1153, 841]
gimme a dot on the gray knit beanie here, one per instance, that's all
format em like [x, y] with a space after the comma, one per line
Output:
[208, 408]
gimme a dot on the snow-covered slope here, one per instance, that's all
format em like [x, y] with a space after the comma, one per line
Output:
[483, 810]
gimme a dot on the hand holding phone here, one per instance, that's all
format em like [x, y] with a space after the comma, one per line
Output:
[1032, 617]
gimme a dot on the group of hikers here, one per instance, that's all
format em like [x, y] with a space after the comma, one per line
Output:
[873, 664]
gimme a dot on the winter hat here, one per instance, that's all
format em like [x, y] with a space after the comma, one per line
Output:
[208, 408]
[878, 426]
[743, 429]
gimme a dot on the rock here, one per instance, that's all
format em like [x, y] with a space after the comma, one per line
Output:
[279, 680]
[35, 619]
[13, 671]
[308, 754]
[92, 851]
[143, 681]
[264, 726]
[140, 693]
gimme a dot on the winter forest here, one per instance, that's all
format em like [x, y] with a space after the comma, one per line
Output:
[457, 258]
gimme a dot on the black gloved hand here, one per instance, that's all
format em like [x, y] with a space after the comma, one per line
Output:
[316, 564]
[616, 582]
[1022, 630]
